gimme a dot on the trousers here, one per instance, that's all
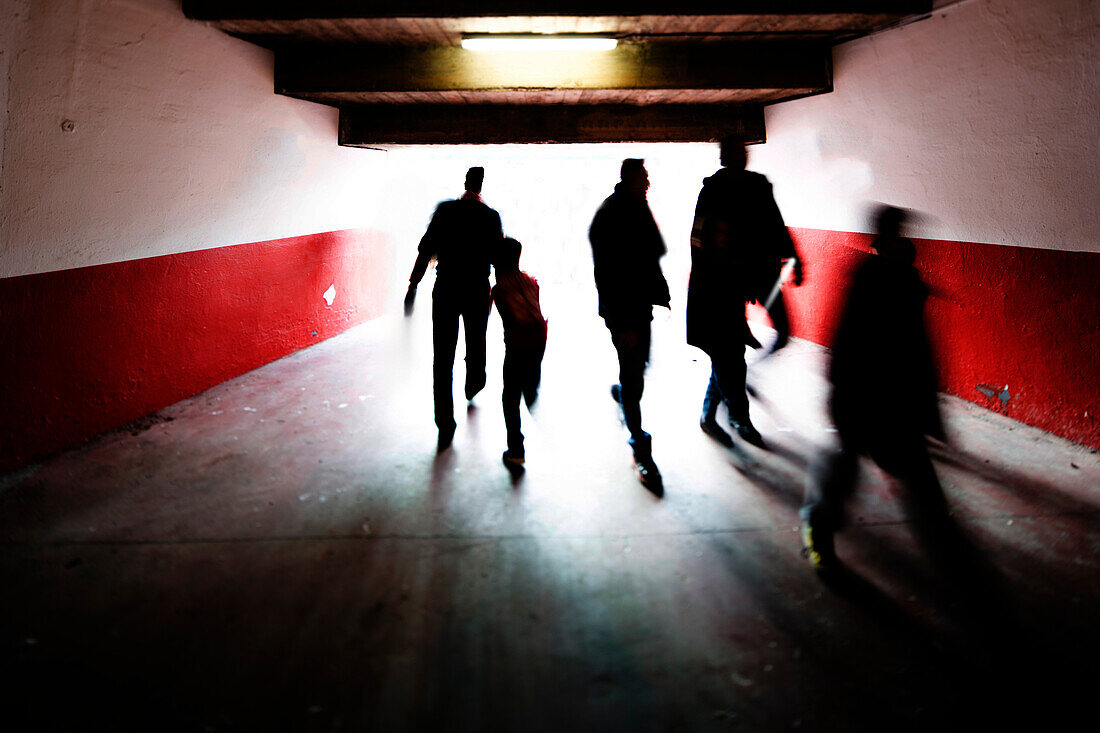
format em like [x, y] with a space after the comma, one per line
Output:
[728, 370]
[450, 303]
[522, 374]
[632, 342]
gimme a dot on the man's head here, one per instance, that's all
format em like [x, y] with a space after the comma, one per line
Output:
[889, 224]
[889, 221]
[732, 152]
[507, 258]
[474, 178]
[634, 177]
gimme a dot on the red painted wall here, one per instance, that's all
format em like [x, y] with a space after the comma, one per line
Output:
[90, 349]
[1016, 316]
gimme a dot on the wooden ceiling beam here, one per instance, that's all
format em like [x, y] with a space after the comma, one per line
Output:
[374, 125]
[715, 66]
[215, 10]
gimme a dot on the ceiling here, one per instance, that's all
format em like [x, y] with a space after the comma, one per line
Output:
[398, 75]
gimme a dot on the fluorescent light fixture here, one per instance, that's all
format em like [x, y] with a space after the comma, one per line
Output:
[539, 43]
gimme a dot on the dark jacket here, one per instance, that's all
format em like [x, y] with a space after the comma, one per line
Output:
[738, 240]
[462, 237]
[882, 370]
[626, 251]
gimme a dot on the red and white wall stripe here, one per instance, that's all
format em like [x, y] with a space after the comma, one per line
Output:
[88, 349]
[1014, 329]
[982, 119]
[167, 221]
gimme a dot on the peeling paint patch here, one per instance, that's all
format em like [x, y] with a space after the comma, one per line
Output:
[330, 294]
[991, 392]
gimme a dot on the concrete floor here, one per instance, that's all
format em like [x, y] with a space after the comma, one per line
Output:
[287, 552]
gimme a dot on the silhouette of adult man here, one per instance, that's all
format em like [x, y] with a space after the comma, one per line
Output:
[626, 251]
[462, 237]
[880, 348]
[738, 243]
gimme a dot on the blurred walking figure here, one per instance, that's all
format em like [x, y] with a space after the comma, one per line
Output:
[462, 237]
[884, 393]
[626, 252]
[516, 295]
[738, 244]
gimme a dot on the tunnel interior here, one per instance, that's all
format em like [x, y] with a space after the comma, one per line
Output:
[222, 501]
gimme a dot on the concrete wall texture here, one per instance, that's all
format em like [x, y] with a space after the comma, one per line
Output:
[167, 221]
[982, 117]
[177, 141]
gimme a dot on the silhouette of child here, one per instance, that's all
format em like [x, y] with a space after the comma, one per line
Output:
[516, 295]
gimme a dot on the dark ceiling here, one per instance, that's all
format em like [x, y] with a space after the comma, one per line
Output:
[398, 75]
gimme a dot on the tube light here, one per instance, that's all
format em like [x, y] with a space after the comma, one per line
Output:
[539, 43]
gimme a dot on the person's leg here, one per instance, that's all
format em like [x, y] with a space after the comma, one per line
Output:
[532, 375]
[728, 365]
[632, 346]
[444, 341]
[830, 484]
[711, 398]
[707, 420]
[475, 320]
[513, 375]
[728, 368]
[780, 322]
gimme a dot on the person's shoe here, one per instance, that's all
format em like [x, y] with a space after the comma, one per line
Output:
[472, 388]
[513, 458]
[748, 433]
[446, 437]
[817, 547]
[648, 474]
[711, 427]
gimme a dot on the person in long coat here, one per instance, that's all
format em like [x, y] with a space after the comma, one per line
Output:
[738, 246]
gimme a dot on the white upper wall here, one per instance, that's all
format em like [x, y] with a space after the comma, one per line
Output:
[985, 117]
[178, 140]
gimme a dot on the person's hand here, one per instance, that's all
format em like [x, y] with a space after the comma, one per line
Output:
[410, 298]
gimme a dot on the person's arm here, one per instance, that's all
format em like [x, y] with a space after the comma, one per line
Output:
[425, 252]
[784, 245]
[597, 236]
[664, 298]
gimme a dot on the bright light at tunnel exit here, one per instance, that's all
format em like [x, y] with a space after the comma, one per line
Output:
[539, 43]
